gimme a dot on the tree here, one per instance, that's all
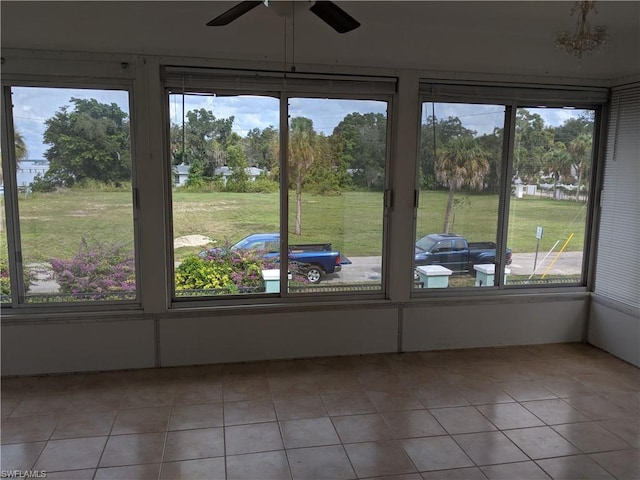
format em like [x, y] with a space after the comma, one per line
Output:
[360, 141]
[20, 150]
[302, 153]
[238, 181]
[88, 142]
[435, 133]
[262, 147]
[532, 141]
[460, 162]
[557, 163]
[580, 151]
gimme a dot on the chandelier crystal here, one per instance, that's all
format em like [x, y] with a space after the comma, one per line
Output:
[583, 40]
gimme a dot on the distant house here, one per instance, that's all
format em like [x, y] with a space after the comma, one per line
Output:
[180, 174]
[225, 172]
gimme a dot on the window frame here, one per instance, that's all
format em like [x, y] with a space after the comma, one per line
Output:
[19, 301]
[514, 97]
[283, 86]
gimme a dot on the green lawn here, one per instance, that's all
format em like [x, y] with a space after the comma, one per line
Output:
[53, 224]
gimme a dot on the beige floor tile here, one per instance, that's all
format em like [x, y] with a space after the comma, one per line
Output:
[440, 396]
[523, 391]
[509, 415]
[555, 411]
[414, 423]
[565, 387]
[626, 428]
[71, 454]
[462, 420]
[483, 394]
[398, 400]
[246, 390]
[147, 396]
[103, 401]
[541, 442]
[206, 415]
[84, 425]
[285, 387]
[258, 466]
[576, 467]
[297, 407]
[591, 437]
[348, 403]
[122, 450]
[198, 393]
[131, 472]
[362, 428]
[141, 420]
[380, 380]
[254, 411]
[376, 459]
[253, 438]
[58, 383]
[597, 408]
[84, 474]
[43, 405]
[20, 456]
[515, 471]
[320, 463]
[203, 469]
[436, 453]
[311, 432]
[489, 448]
[337, 383]
[27, 429]
[623, 464]
[193, 444]
[469, 473]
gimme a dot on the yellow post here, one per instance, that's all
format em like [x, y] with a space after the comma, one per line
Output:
[556, 257]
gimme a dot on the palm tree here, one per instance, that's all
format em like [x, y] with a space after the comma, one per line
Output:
[461, 162]
[580, 150]
[20, 149]
[302, 153]
[557, 164]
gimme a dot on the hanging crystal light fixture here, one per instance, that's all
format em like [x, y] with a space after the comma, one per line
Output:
[583, 40]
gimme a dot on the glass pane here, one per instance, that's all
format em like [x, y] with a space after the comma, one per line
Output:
[459, 173]
[226, 201]
[74, 194]
[337, 157]
[549, 197]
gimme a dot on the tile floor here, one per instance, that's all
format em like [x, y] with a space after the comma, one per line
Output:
[562, 411]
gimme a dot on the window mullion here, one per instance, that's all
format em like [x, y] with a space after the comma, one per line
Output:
[505, 192]
[11, 200]
[284, 193]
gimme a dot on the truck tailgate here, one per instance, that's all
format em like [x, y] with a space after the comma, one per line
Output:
[344, 260]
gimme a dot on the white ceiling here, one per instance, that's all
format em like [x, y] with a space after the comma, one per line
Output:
[505, 37]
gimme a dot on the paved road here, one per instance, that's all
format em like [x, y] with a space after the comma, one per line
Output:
[366, 269]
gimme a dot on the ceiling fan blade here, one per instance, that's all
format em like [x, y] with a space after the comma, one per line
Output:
[233, 13]
[334, 16]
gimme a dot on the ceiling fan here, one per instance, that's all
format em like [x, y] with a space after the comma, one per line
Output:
[329, 12]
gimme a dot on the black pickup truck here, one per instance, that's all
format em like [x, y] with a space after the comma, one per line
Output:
[454, 252]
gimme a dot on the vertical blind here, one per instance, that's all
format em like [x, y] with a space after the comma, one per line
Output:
[618, 258]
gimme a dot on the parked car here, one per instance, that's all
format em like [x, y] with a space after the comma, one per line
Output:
[455, 252]
[315, 259]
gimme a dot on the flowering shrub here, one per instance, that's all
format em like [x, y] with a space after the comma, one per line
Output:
[100, 272]
[230, 271]
[28, 276]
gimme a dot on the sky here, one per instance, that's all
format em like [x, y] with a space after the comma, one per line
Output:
[32, 106]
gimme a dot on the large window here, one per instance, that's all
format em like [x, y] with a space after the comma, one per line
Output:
[236, 192]
[460, 163]
[505, 190]
[68, 162]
